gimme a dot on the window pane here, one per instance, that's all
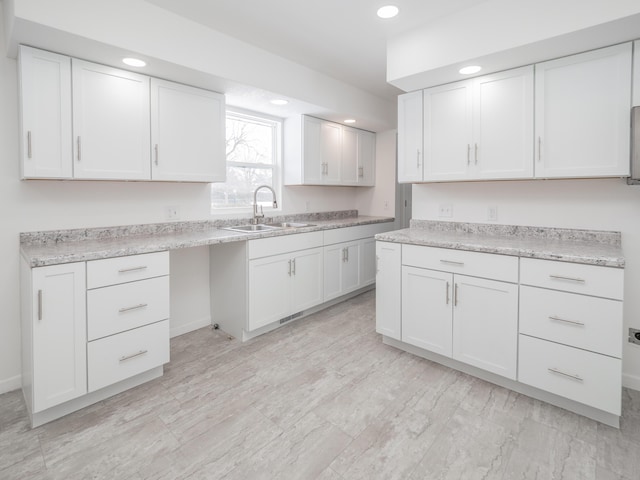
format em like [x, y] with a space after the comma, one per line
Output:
[238, 190]
[249, 141]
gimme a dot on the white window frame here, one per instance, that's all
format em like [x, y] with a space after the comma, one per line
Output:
[277, 174]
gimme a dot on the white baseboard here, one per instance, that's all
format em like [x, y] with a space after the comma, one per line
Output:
[190, 327]
[631, 381]
[10, 384]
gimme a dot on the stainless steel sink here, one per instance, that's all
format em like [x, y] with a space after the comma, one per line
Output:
[252, 228]
[290, 225]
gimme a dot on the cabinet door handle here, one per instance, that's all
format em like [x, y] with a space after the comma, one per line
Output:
[135, 307]
[447, 294]
[564, 320]
[476, 153]
[377, 263]
[451, 262]
[455, 295]
[39, 305]
[293, 266]
[289, 267]
[571, 279]
[565, 374]
[360, 171]
[79, 143]
[155, 148]
[29, 144]
[468, 154]
[132, 269]
[344, 255]
[133, 355]
[539, 148]
[418, 158]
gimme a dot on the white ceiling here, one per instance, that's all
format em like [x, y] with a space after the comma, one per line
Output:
[343, 39]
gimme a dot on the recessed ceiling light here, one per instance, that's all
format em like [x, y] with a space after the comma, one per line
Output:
[469, 70]
[134, 62]
[388, 11]
[350, 120]
[279, 101]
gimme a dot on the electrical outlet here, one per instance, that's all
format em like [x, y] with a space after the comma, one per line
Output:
[634, 336]
[492, 213]
[445, 210]
[172, 213]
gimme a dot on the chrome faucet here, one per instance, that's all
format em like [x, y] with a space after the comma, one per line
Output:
[260, 216]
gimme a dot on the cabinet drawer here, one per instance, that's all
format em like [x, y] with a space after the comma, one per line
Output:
[264, 247]
[123, 307]
[126, 354]
[349, 234]
[573, 277]
[589, 323]
[475, 264]
[111, 271]
[576, 374]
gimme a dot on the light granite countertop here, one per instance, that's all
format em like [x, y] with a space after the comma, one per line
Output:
[592, 247]
[77, 245]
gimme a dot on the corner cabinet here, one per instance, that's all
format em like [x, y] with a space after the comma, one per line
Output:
[111, 126]
[187, 133]
[582, 114]
[45, 114]
[319, 152]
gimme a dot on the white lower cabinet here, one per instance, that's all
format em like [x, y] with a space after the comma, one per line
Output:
[54, 335]
[473, 320]
[388, 289]
[282, 285]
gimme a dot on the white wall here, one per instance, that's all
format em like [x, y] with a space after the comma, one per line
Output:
[606, 204]
[45, 205]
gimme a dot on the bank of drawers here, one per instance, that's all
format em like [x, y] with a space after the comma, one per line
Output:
[570, 339]
[128, 316]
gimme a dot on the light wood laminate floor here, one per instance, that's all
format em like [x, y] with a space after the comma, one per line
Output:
[320, 398]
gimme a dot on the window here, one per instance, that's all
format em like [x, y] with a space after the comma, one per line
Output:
[253, 159]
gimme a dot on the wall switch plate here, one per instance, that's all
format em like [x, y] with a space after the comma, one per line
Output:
[492, 213]
[172, 213]
[634, 336]
[445, 210]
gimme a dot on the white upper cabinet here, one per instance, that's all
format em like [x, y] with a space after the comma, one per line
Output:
[319, 152]
[582, 114]
[410, 155]
[45, 108]
[447, 132]
[111, 124]
[636, 73]
[503, 125]
[187, 133]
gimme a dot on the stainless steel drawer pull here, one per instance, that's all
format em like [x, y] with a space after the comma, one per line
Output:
[451, 262]
[455, 295]
[564, 320]
[29, 144]
[293, 266]
[133, 355]
[156, 151]
[135, 307]
[446, 295]
[360, 171]
[132, 269]
[289, 267]
[39, 304]
[560, 372]
[572, 279]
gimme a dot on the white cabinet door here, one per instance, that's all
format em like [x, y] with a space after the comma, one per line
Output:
[333, 260]
[448, 132]
[45, 114]
[331, 152]
[367, 261]
[313, 169]
[306, 274]
[388, 289]
[59, 332]
[366, 158]
[582, 114]
[427, 309]
[503, 125]
[187, 133]
[349, 160]
[269, 292]
[111, 124]
[485, 324]
[410, 131]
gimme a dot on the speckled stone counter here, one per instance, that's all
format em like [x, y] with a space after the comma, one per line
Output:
[593, 247]
[76, 245]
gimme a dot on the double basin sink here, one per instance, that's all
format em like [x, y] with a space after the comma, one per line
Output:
[267, 227]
